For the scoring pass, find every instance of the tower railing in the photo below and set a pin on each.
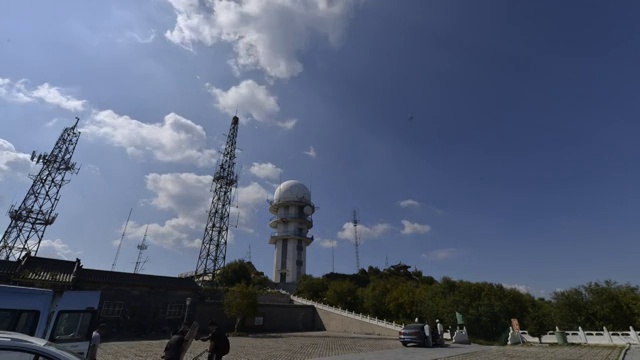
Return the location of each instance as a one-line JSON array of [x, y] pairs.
[[291, 233], [297, 217], [347, 313]]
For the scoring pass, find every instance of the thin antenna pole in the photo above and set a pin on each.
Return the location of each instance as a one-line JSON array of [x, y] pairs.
[[115, 260], [355, 237], [333, 258], [142, 247]]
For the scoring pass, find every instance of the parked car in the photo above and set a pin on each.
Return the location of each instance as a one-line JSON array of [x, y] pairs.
[[16, 346], [413, 334]]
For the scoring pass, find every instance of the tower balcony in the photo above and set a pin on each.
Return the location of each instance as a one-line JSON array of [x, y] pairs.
[[302, 219], [290, 234], [274, 205]]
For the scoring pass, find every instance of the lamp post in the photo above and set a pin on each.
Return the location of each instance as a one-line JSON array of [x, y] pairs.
[[186, 310]]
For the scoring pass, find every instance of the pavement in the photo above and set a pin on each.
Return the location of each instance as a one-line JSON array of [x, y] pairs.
[[339, 346], [633, 353]]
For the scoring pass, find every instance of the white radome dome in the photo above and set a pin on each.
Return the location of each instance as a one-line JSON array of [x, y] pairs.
[[292, 190]]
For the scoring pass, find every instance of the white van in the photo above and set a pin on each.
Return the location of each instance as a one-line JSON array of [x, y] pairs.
[[66, 320]]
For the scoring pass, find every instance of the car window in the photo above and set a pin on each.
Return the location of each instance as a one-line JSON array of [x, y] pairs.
[[62, 351], [21, 355], [72, 326], [21, 321]]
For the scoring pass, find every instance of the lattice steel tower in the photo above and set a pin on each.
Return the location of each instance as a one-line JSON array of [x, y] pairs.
[[37, 210], [356, 241], [213, 251]]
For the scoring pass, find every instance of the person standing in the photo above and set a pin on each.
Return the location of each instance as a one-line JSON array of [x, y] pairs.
[[96, 340], [427, 333], [440, 329], [218, 342], [173, 349]]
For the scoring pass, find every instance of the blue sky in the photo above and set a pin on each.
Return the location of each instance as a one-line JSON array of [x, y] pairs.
[[520, 160]]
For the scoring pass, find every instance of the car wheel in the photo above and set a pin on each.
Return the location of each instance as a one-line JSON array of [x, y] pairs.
[[404, 344]]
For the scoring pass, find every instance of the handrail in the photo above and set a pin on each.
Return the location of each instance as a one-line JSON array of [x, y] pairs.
[[351, 314], [285, 217], [292, 233]]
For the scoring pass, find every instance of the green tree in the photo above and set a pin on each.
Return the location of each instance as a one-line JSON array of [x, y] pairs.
[[240, 301], [343, 294], [311, 288], [236, 272]]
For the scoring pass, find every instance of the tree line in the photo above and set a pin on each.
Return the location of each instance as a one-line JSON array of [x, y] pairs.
[[400, 294]]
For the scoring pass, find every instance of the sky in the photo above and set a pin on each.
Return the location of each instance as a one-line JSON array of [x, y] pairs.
[[485, 141]]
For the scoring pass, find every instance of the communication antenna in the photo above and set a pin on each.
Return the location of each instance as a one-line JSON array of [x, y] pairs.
[[386, 261], [142, 247], [248, 256], [115, 260], [355, 223]]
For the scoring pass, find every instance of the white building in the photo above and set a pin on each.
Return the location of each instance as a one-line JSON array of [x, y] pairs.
[[292, 209]]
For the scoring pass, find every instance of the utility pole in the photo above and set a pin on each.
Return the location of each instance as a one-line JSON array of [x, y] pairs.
[[37, 210], [213, 251]]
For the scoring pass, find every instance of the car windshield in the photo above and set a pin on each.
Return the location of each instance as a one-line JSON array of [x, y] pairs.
[[60, 350]]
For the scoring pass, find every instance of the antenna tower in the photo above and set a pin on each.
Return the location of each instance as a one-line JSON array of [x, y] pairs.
[[142, 247], [37, 210], [333, 257], [213, 251], [355, 223], [386, 261], [124, 231]]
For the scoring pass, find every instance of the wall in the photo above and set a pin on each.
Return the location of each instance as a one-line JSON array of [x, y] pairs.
[[275, 318]]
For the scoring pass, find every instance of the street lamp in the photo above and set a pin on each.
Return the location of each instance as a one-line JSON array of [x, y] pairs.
[[186, 310]]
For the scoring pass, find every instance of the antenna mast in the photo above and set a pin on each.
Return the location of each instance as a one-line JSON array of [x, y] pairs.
[[115, 259], [355, 223], [213, 251], [386, 261], [37, 210], [142, 247], [333, 258]]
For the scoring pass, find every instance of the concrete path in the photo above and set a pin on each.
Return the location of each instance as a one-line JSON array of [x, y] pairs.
[[338, 346], [633, 353], [415, 353]]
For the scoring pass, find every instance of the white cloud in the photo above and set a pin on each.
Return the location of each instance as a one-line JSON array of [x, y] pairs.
[[414, 228], [409, 203], [311, 152], [176, 139], [52, 95], [266, 35], [522, 288], [17, 92], [252, 101], [364, 232], [57, 249], [326, 243], [441, 254], [139, 39], [13, 163], [287, 124], [187, 197], [266, 171]]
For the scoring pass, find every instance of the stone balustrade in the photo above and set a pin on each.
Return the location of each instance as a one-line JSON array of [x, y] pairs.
[[595, 337]]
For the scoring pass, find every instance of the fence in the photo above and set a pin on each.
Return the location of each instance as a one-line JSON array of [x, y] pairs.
[[597, 337]]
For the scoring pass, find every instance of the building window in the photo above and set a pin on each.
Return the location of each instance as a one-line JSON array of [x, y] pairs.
[[112, 309], [175, 311]]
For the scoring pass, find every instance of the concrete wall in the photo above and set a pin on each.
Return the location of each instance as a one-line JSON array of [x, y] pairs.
[[270, 318], [331, 321], [580, 336]]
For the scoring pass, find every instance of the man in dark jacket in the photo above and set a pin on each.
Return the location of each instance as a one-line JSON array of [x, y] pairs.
[[173, 349], [218, 342]]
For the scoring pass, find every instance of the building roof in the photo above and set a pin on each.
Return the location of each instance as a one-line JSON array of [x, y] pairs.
[[137, 280], [57, 272], [37, 269]]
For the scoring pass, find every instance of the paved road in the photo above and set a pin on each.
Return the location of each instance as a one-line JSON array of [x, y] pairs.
[[337, 346]]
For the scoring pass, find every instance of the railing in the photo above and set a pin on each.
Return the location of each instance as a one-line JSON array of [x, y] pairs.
[[292, 233], [347, 313], [296, 217], [599, 337]]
